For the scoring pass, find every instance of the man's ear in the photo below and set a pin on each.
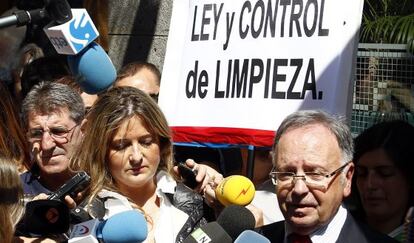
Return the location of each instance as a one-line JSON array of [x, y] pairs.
[[348, 178]]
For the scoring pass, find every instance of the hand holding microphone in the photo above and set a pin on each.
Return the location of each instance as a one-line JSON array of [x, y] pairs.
[[235, 189]]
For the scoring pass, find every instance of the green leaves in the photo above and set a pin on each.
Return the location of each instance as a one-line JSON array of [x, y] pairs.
[[388, 21]]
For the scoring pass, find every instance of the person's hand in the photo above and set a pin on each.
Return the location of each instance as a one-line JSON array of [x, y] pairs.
[[22, 239], [258, 215], [69, 201], [207, 177]]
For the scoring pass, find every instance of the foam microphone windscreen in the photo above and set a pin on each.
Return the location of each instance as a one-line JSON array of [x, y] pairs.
[[235, 189], [235, 219], [46, 217], [249, 236], [93, 69], [124, 227], [211, 232]]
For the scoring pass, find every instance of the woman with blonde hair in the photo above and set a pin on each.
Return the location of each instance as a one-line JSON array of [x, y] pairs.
[[127, 151], [11, 199], [12, 139]]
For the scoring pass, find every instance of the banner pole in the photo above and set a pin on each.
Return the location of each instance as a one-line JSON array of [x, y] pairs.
[[250, 161]]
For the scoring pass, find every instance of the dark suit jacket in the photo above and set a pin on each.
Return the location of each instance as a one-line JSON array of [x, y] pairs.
[[352, 232]]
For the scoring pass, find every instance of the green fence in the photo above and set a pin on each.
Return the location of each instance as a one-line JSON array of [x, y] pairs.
[[384, 85]]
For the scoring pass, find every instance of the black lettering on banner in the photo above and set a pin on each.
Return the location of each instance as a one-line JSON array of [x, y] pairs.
[[203, 83], [321, 31], [243, 76], [240, 79], [298, 64], [205, 21], [271, 20], [259, 5], [260, 18], [218, 93], [294, 17], [229, 27], [310, 84], [195, 83], [309, 32], [228, 78], [284, 4], [243, 33], [216, 18], [267, 77], [253, 77], [194, 37], [278, 78]]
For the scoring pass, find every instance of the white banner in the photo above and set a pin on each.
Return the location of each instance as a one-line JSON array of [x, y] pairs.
[[248, 64]]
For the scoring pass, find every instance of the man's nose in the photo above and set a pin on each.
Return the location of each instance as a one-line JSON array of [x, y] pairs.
[[47, 141], [299, 185]]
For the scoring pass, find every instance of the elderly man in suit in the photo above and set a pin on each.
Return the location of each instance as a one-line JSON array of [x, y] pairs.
[[312, 173]]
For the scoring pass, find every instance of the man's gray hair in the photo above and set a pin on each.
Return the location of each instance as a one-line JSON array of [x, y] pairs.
[[49, 97], [335, 124]]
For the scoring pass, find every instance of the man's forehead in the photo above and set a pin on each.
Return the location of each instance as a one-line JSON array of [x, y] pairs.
[[58, 113], [315, 140]]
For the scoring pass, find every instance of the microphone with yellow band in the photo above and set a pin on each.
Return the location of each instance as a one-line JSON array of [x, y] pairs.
[[235, 190]]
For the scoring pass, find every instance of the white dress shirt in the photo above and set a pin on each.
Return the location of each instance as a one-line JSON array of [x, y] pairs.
[[170, 219]]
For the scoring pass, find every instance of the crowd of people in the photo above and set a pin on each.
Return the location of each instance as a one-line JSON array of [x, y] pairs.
[[316, 184]]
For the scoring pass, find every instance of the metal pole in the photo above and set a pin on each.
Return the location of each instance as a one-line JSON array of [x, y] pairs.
[[250, 161]]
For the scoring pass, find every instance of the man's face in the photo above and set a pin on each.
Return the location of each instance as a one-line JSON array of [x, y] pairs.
[[312, 148], [144, 80], [52, 138]]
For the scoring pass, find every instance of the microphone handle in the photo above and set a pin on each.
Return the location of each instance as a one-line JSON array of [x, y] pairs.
[[21, 17]]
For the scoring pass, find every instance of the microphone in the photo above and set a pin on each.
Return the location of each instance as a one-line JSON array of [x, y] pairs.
[[44, 217], [125, 227], [88, 62], [235, 189], [58, 10], [211, 232], [93, 69], [249, 236], [22, 17], [235, 219]]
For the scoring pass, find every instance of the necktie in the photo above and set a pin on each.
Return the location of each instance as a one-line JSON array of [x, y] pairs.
[[297, 238]]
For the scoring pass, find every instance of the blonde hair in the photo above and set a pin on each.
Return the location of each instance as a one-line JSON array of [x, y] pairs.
[[12, 139], [11, 200], [108, 113]]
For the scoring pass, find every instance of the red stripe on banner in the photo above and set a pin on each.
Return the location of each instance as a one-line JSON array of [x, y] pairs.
[[223, 135]]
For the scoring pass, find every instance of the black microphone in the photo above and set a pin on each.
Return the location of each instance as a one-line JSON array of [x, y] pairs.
[[44, 217], [22, 17], [211, 232], [235, 219], [58, 10]]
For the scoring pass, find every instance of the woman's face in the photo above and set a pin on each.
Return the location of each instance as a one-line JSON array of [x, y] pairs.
[[383, 188], [134, 155]]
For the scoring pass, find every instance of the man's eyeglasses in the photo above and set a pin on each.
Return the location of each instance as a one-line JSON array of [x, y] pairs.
[[315, 180], [58, 134]]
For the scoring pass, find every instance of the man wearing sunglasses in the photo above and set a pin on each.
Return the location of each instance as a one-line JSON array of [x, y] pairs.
[[52, 114], [312, 159]]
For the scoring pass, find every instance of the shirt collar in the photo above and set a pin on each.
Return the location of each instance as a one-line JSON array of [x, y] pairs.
[[329, 232], [165, 183]]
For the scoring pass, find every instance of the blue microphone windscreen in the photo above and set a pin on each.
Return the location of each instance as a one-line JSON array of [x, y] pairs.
[[93, 69], [126, 227], [248, 236]]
